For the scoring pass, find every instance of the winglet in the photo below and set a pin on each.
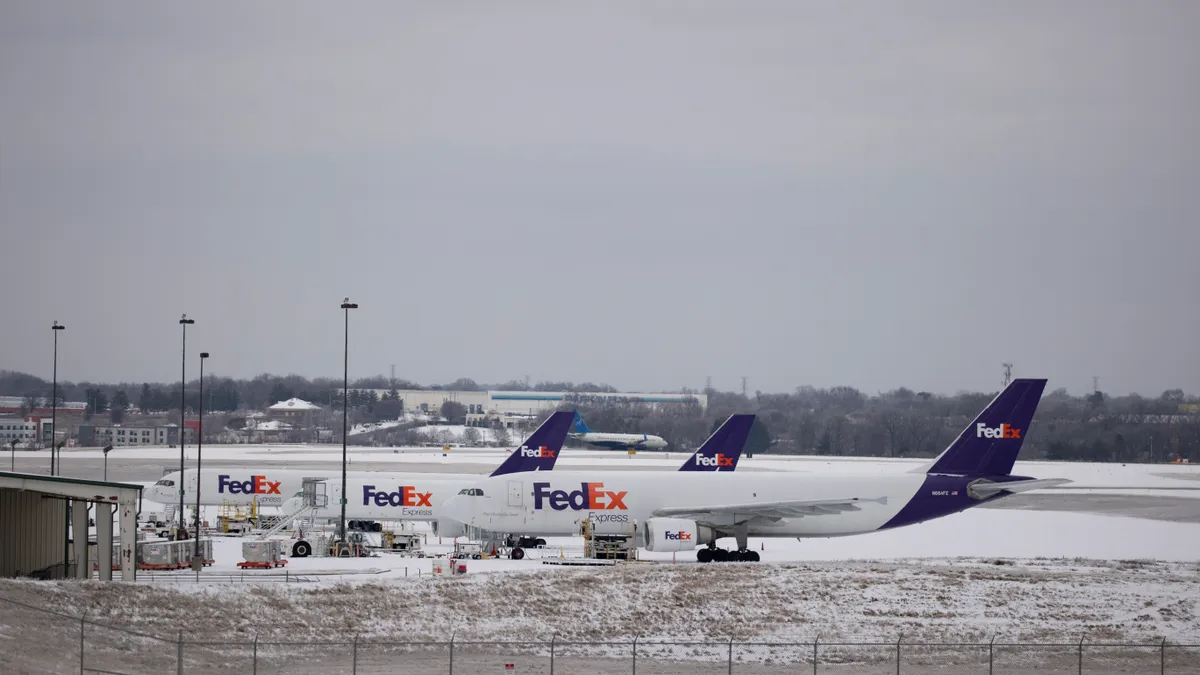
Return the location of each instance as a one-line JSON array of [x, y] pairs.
[[723, 448], [989, 445], [540, 450]]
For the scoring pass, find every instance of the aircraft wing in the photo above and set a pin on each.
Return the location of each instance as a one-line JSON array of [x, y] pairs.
[[766, 510]]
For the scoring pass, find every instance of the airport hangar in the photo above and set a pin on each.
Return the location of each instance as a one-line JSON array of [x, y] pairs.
[[34, 539], [510, 406]]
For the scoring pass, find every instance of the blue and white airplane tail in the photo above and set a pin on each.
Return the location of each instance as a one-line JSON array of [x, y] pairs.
[[723, 448], [989, 445], [540, 450], [580, 427]]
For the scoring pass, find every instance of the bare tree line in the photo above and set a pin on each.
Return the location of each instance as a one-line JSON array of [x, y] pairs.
[[809, 420]]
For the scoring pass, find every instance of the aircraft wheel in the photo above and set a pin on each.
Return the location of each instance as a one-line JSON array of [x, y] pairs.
[[750, 556], [540, 542], [517, 554], [720, 555], [301, 549], [704, 555]]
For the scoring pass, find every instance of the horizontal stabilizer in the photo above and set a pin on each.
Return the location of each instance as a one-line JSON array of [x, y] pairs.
[[1127, 487], [985, 489]]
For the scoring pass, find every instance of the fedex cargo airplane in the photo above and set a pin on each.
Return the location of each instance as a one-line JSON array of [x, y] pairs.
[[615, 441], [667, 511], [414, 496], [419, 496]]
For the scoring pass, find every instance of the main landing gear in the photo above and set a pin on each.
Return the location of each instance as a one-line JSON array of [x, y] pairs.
[[742, 554], [714, 554]]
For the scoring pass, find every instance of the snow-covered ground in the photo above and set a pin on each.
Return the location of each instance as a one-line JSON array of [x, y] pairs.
[[456, 434], [1185, 476], [938, 600]]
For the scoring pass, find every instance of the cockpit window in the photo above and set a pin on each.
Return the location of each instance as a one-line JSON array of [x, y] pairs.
[[166, 482], [471, 492]]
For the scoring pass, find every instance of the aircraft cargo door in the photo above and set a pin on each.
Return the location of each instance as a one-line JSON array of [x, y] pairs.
[[515, 487]]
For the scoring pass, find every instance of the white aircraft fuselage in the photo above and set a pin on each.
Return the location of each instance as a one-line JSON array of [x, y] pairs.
[[401, 495], [556, 504], [621, 441]]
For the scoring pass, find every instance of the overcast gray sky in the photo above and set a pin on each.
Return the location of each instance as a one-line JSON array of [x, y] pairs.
[[641, 193]]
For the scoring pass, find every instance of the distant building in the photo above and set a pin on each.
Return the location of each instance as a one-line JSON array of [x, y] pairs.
[[32, 431], [13, 405], [505, 404], [121, 436], [296, 412]]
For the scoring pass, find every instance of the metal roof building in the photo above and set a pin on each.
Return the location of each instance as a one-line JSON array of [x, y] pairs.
[[35, 539]]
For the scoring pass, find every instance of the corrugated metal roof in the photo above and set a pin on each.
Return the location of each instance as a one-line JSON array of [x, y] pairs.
[[71, 481]]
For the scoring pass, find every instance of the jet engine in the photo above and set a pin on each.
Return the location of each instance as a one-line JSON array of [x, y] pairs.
[[669, 535], [449, 529]]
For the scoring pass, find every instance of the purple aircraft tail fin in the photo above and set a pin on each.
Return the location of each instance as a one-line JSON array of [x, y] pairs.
[[540, 450], [989, 446], [721, 451]]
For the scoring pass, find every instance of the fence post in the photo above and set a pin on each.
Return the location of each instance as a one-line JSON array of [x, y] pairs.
[[730, 655], [898, 639], [452, 651], [1081, 655], [254, 663], [354, 661], [81, 629], [179, 655], [635, 639], [990, 654], [552, 639], [816, 640], [1162, 657]]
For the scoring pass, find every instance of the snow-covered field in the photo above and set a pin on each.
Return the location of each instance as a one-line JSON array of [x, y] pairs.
[[937, 600], [483, 459]]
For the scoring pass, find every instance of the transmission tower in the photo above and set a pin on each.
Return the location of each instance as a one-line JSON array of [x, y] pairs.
[[1007, 373]]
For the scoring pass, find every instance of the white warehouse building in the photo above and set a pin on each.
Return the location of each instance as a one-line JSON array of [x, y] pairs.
[[531, 402]]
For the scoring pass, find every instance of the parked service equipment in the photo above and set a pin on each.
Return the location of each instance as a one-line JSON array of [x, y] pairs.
[[158, 555], [262, 554]]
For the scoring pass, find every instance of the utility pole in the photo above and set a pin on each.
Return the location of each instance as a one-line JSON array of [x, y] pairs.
[[1095, 384], [708, 384], [346, 306], [743, 386], [392, 382], [1007, 373]]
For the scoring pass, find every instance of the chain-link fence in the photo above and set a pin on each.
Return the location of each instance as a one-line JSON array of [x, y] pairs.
[[34, 640]]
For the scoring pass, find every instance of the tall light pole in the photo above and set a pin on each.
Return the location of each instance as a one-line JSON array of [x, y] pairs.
[[54, 401], [347, 306], [199, 449], [107, 449], [185, 322]]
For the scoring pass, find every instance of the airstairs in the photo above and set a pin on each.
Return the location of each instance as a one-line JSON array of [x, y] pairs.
[[304, 504]]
